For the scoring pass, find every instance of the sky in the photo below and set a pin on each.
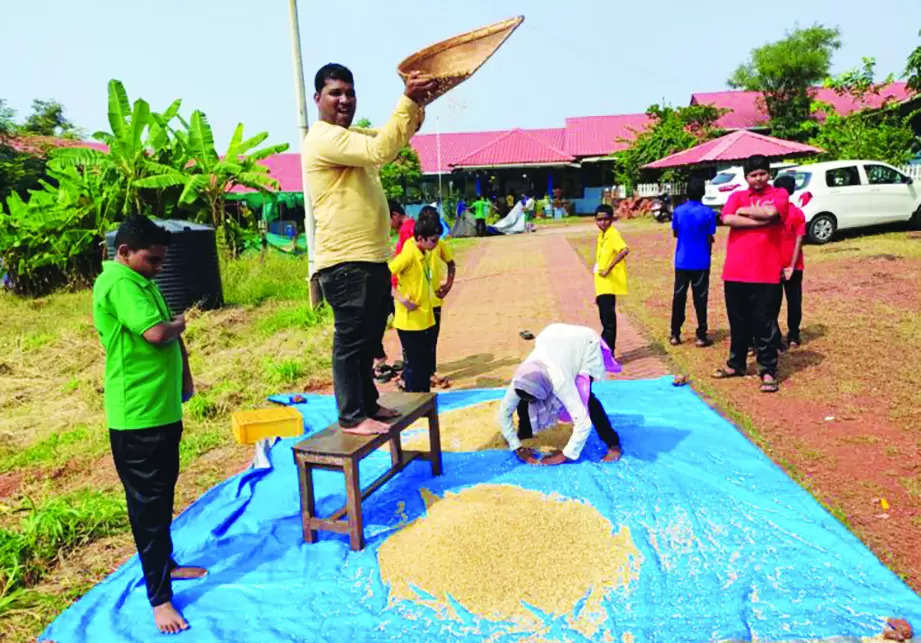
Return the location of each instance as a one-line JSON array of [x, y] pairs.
[[232, 58]]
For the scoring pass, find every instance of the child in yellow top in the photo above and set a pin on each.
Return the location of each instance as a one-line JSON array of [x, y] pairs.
[[413, 297], [610, 271], [441, 258]]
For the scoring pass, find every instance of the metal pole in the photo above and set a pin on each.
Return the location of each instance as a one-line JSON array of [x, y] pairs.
[[309, 226]]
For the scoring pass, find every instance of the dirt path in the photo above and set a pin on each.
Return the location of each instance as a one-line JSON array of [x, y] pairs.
[[508, 284]]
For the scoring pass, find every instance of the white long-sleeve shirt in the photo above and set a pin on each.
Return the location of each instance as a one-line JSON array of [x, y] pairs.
[[567, 351]]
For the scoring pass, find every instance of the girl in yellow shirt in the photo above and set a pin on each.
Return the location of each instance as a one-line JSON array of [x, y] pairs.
[[413, 298], [610, 271]]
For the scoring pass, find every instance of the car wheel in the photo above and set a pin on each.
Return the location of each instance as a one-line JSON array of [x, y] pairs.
[[915, 221], [822, 228]]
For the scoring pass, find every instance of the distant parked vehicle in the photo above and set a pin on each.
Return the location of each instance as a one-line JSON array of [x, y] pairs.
[[662, 208], [837, 195], [722, 185]]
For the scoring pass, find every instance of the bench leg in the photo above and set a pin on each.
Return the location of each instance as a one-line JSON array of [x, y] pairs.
[[308, 509], [353, 504], [396, 450], [434, 442]]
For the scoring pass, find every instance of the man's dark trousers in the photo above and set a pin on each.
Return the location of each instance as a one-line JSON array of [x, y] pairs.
[[358, 293], [147, 462], [699, 281], [752, 312]]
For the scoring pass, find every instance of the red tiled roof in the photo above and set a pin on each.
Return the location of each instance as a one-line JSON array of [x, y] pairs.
[[517, 147], [733, 147], [600, 135], [746, 113], [38, 144], [285, 168], [453, 146]]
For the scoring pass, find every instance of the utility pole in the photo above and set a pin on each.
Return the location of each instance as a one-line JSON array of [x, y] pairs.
[[309, 227]]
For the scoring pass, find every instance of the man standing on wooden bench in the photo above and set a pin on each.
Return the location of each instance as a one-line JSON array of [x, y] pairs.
[[342, 172]]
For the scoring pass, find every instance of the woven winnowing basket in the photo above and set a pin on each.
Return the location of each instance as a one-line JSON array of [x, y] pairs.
[[452, 61]]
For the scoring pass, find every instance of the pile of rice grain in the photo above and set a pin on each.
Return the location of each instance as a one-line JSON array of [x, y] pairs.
[[492, 547], [475, 428]]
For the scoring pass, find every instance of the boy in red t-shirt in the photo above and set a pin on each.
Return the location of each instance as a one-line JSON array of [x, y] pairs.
[[794, 230], [752, 271]]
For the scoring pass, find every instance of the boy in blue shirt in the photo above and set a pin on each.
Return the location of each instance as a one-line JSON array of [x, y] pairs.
[[694, 225]]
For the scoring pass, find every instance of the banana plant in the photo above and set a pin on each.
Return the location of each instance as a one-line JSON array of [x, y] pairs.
[[141, 153], [209, 176]]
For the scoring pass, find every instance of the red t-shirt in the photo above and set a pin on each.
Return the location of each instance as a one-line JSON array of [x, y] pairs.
[[406, 232], [753, 255], [794, 226]]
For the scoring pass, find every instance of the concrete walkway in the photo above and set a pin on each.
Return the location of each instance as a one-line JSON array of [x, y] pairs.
[[523, 282]]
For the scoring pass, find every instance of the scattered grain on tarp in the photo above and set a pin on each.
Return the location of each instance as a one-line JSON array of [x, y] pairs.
[[476, 428], [493, 548]]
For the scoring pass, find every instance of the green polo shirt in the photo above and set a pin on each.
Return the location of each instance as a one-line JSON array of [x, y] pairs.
[[143, 381]]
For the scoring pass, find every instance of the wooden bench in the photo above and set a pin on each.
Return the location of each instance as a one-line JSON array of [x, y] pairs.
[[334, 449]]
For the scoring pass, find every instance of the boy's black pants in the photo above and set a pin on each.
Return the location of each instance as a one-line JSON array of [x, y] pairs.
[[436, 330], [752, 312], [699, 281], [596, 413], [608, 317], [147, 461], [793, 289], [419, 348], [481, 227], [358, 292]]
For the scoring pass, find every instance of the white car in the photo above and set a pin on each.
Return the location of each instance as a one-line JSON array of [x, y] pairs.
[[837, 195], [722, 185]]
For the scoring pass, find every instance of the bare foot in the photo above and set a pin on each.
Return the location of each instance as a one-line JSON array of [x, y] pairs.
[[368, 426], [185, 573], [613, 455], [383, 413], [168, 620]]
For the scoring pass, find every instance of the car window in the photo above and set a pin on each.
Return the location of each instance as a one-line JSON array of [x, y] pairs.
[[801, 178], [880, 174], [842, 176], [722, 177]]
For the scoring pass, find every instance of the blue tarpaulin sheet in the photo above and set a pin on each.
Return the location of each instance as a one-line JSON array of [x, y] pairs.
[[732, 548]]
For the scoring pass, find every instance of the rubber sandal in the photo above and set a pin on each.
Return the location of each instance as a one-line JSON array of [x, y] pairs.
[[383, 372], [722, 374], [526, 334], [703, 342], [769, 387], [674, 340]]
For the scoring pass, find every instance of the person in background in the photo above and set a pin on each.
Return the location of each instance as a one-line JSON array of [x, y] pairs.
[[402, 224], [352, 231], [694, 226], [752, 271], [794, 230], [413, 297], [147, 379], [610, 271], [441, 261], [545, 383], [480, 214]]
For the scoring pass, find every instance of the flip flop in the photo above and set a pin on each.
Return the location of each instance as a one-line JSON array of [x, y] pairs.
[[769, 387], [722, 374], [703, 342], [674, 340], [526, 334]]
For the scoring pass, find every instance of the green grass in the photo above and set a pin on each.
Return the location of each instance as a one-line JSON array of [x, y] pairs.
[[299, 316], [60, 523], [56, 448], [251, 280]]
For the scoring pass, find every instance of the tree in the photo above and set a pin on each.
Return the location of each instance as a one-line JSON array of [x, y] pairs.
[[673, 130], [883, 134], [785, 72], [47, 119], [913, 69], [7, 126]]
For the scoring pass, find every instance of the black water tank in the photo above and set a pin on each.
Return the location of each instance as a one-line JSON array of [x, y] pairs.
[[191, 274]]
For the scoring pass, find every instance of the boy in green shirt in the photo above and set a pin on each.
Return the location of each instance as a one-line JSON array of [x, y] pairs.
[[146, 380]]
